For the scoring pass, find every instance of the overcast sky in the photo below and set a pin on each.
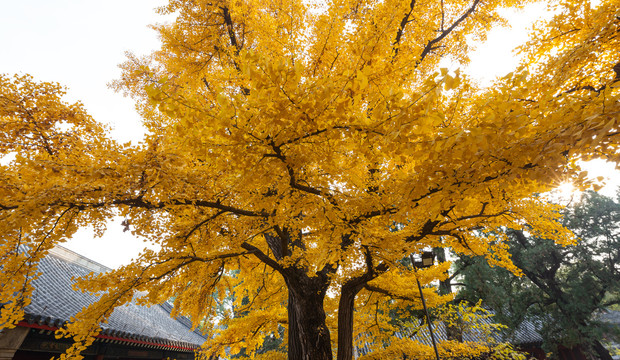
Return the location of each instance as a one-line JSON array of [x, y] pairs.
[[79, 43]]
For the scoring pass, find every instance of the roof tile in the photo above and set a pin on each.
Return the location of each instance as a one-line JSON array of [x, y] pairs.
[[55, 302]]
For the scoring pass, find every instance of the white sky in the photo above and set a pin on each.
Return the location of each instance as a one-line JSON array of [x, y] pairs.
[[79, 43]]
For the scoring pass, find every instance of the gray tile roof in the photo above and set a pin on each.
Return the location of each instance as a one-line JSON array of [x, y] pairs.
[[527, 333], [54, 302], [611, 317]]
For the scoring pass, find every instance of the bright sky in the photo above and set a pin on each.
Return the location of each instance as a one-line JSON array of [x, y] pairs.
[[79, 44]]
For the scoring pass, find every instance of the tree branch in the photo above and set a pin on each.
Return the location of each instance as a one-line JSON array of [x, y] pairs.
[[401, 29], [233, 41], [293, 179], [141, 203], [263, 257], [387, 293], [431, 44]]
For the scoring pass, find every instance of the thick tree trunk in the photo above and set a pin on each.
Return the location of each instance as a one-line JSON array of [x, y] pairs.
[[345, 323], [346, 306], [308, 336], [294, 346]]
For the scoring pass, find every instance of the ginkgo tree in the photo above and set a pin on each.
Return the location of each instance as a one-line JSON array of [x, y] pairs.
[[297, 151]]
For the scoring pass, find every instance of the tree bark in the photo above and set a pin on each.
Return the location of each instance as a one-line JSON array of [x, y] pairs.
[[346, 305], [294, 346], [445, 286], [602, 352], [345, 321], [308, 335]]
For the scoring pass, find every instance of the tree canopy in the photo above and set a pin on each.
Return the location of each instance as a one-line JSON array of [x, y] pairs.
[[298, 149], [565, 289]]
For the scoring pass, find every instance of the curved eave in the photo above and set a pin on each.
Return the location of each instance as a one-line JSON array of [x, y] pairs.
[[49, 325]]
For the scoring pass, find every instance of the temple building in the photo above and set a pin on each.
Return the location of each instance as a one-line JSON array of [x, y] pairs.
[[132, 332]]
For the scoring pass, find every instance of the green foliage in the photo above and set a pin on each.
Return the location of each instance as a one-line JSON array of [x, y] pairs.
[[562, 287]]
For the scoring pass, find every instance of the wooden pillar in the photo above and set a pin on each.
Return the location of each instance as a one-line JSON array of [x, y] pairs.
[[11, 340]]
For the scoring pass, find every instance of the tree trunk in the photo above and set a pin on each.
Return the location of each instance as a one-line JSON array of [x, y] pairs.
[[445, 286], [453, 331], [294, 346], [602, 352], [345, 322], [308, 336], [346, 306]]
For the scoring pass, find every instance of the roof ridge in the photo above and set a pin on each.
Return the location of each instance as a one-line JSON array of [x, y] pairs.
[[71, 256]]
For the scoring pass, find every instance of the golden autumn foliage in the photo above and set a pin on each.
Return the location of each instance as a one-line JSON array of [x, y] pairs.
[[471, 321], [447, 350], [298, 151]]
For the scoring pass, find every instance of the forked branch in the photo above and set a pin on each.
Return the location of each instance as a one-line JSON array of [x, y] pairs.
[[431, 45]]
